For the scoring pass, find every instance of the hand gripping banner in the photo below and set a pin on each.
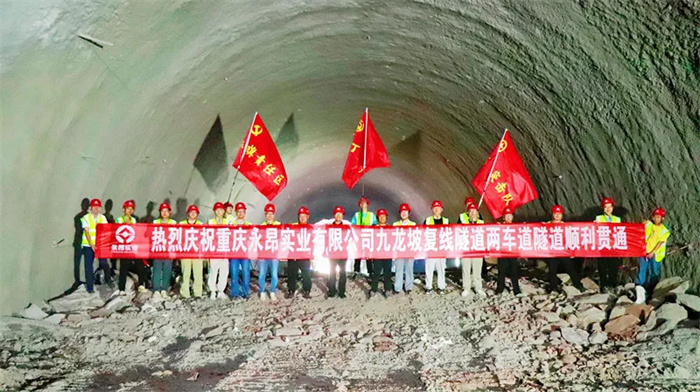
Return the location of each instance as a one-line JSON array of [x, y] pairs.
[[527, 240]]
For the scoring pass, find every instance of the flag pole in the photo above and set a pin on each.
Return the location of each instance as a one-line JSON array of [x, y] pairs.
[[498, 151], [245, 147], [364, 151]]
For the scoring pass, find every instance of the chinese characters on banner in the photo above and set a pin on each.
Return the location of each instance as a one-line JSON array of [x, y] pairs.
[[529, 240]]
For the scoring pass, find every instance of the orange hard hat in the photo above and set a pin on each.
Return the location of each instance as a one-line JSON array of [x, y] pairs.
[[404, 207], [659, 211], [270, 208], [218, 205], [557, 208], [192, 208], [339, 209], [164, 206], [95, 203], [363, 199], [472, 206], [129, 203], [468, 200], [240, 206], [436, 203], [507, 210], [607, 200], [382, 211], [303, 210]]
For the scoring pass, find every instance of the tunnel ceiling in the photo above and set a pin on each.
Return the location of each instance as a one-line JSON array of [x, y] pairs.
[[601, 98]]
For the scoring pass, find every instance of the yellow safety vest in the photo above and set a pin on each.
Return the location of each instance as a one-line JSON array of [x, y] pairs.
[[122, 219], [196, 222], [464, 219], [224, 221], [368, 218], [274, 223], [604, 219], [663, 236], [431, 220], [235, 223], [399, 223], [92, 227], [162, 222]]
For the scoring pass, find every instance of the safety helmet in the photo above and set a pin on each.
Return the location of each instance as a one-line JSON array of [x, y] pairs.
[[382, 211], [404, 207], [95, 203], [227, 205], [218, 205], [507, 210], [659, 211], [338, 209], [129, 203], [270, 208], [192, 208], [468, 200], [303, 210], [363, 199], [240, 206], [607, 200], [164, 206], [472, 206], [436, 203], [557, 208]]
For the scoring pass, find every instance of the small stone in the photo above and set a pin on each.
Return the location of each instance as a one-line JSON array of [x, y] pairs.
[[617, 311], [668, 286], [624, 300], [550, 317], [681, 373], [214, 332], [640, 311], [672, 312], [565, 278], [621, 324], [169, 305], [289, 331], [595, 299], [589, 284], [571, 291], [575, 336], [77, 317], [590, 316], [691, 302], [598, 338], [55, 318], [568, 359], [32, 312]]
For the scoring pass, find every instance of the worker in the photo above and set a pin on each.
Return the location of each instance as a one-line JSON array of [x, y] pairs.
[[268, 264], [567, 264], [162, 268], [218, 268], [78, 240], [608, 266], [337, 264], [471, 266], [650, 265], [240, 288], [89, 223], [192, 268], [364, 217], [508, 266], [433, 264], [125, 265], [403, 268], [229, 211], [381, 267], [295, 266]]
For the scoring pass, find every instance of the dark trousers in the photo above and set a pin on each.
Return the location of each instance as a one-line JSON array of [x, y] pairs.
[[126, 265], [569, 266], [293, 269], [381, 268], [89, 259], [508, 268], [331, 278], [358, 262], [607, 269], [77, 254]]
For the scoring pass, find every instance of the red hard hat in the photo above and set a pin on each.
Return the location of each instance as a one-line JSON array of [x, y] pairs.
[[129, 203], [472, 206], [557, 208], [303, 210], [95, 203], [227, 205], [436, 203], [659, 211], [507, 210], [468, 200], [404, 207], [366, 200], [382, 211], [338, 209], [192, 208], [164, 206], [607, 200], [240, 206], [218, 205], [270, 208]]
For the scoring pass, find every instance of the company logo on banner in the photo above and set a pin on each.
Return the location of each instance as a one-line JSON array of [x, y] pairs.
[[529, 240]]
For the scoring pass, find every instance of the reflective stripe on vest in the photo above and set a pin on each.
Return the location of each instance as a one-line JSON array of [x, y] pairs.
[[399, 223], [431, 220], [368, 218], [649, 229], [92, 227], [604, 219]]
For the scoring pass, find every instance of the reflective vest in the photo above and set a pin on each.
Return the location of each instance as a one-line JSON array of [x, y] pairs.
[[399, 223], [464, 219], [122, 219], [92, 227], [369, 218], [431, 221], [186, 222], [232, 221], [274, 223], [663, 236], [162, 222], [224, 221], [604, 219]]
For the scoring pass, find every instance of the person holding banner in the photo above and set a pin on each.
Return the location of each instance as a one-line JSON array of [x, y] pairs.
[[364, 217], [403, 274], [650, 265], [239, 267], [271, 264], [162, 268], [192, 267], [471, 267], [89, 223], [507, 267], [126, 264], [608, 266], [381, 267], [295, 266], [218, 268], [554, 263], [432, 264], [339, 264]]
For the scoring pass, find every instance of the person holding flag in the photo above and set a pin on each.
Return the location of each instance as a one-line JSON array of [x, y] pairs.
[[364, 217], [471, 267], [433, 264], [192, 268], [554, 263], [608, 266], [239, 267], [303, 266], [403, 268], [271, 264], [218, 268], [162, 268]]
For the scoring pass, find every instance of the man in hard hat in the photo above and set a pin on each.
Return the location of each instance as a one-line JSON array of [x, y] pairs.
[[218, 268], [364, 217], [403, 268], [192, 268], [229, 211], [433, 264], [162, 268], [125, 265], [650, 265], [471, 266], [268, 264], [339, 264], [608, 266], [295, 266], [567, 264], [77, 240], [381, 267], [89, 223], [508, 267], [240, 288]]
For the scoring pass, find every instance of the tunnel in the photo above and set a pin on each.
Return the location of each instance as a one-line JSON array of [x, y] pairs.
[[150, 101]]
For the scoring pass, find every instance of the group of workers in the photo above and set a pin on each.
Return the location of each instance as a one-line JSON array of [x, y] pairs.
[[238, 271]]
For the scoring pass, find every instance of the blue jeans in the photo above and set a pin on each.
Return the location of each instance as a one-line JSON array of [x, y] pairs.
[[649, 273], [403, 268], [263, 265], [160, 274], [89, 256], [238, 289]]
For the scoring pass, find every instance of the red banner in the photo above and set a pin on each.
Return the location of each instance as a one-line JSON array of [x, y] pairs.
[[527, 240], [367, 152]]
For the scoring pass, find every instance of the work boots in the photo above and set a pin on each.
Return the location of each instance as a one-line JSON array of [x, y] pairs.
[[641, 295]]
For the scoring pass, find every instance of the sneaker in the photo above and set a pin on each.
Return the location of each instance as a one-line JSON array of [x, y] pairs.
[[122, 293], [429, 292], [164, 294], [263, 297], [273, 297], [466, 293], [408, 292], [220, 295], [440, 291], [520, 295], [156, 295], [212, 295], [142, 289], [306, 295], [641, 295], [481, 293]]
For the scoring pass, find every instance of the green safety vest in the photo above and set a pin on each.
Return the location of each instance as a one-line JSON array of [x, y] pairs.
[[399, 223], [604, 219], [224, 221], [92, 227], [235, 223], [431, 220], [162, 222], [368, 218], [464, 219], [122, 219], [274, 223], [663, 236]]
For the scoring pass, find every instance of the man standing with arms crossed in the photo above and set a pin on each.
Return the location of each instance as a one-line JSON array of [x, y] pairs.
[[381, 267], [568, 264], [435, 264]]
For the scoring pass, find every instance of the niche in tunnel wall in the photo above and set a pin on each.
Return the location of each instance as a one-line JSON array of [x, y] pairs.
[[211, 160]]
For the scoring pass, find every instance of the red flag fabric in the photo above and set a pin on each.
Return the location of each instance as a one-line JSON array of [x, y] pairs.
[[260, 162], [509, 183], [367, 152]]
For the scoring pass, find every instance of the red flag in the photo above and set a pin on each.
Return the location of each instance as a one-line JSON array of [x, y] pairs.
[[367, 152], [261, 163], [503, 180]]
